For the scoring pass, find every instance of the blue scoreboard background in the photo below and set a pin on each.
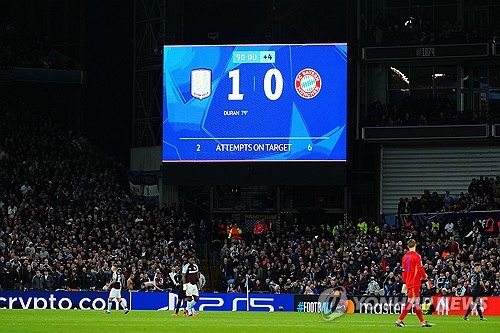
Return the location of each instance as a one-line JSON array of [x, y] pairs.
[[255, 103]]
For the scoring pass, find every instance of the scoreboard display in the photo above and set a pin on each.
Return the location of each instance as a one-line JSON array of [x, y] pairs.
[[254, 103]]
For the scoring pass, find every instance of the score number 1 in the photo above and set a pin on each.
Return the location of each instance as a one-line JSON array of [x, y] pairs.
[[235, 95]]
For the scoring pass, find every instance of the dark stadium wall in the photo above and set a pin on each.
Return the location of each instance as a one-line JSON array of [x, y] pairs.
[[362, 159], [108, 89]]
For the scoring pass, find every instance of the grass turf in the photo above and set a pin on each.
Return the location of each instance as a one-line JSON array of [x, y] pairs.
[[55, 321]]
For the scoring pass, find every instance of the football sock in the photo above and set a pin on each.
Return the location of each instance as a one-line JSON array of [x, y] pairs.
[[190, 306], [418, 311], [193, 302], [469, 309], [479, 311], [109, 306], [406, 309], [123, 304], [179, 302]]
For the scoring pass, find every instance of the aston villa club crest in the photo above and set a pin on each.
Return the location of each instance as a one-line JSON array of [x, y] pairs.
[[201, 83]]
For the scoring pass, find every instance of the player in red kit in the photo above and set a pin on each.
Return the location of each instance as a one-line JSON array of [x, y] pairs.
[[413, 273]]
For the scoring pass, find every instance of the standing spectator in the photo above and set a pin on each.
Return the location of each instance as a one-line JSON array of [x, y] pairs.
[[48, 280], [11, 211], [74, 280], [44, 254], [28, 276], [449, 227], [216, 248], [88, 279], [37, 281], [25, 188], [235, 232], [16, 276], [130, 282], [202, 240], [454, 246], [222, 229]]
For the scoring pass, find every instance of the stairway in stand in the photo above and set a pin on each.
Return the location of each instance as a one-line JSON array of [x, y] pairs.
[[205, 270]]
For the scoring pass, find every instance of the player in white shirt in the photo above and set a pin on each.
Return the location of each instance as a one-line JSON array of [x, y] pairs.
[[191, 284], [116, 290]]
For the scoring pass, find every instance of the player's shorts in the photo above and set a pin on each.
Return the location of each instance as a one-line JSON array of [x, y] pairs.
[[476, 293], [192, 290], [413, 292], [115, 293], [476, 298]]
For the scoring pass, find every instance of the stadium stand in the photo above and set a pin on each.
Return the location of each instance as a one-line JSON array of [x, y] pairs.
[[65, 220], [483, 194], [22, 46], [364, 261], [64, 214], [420, 30], [422, 111]]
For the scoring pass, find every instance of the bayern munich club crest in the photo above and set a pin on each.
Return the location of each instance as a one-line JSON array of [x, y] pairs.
[[308, 83]]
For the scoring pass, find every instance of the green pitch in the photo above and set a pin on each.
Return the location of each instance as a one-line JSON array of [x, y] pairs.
[[55, 321]]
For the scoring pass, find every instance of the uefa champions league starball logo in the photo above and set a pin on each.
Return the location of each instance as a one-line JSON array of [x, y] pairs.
[[308, 83], [333, 302]]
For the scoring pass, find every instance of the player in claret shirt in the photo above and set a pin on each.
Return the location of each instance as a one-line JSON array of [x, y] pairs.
[[413, 273], [191, 284]]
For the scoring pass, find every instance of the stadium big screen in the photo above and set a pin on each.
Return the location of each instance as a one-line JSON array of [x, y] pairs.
[[255, 103]]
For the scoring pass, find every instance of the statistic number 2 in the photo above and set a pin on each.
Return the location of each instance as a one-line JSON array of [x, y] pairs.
[[235, 94]]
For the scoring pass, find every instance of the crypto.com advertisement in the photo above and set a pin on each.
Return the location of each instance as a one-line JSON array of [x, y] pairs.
[[142, 301]]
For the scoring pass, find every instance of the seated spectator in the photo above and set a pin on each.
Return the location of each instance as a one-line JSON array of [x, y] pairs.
[[373, 287]]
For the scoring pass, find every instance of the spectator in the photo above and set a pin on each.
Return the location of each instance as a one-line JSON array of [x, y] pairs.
[[48, 280], [373, 287], [235, 232], [37, 281], [130, 282], [74, 280]]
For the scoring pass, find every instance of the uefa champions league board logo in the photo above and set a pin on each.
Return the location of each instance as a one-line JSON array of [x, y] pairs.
[[334, 303], [308, 83]]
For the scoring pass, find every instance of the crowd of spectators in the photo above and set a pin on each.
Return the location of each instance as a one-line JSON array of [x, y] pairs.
[[64, 220], [422, 111], [21, 46], [418, 30], [482, 194], [364, 259]]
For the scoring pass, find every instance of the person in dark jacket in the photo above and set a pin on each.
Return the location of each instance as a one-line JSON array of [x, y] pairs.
[[48, 280], [37, 281]]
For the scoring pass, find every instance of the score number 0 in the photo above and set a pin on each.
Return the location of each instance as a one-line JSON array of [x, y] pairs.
[[235, 95]]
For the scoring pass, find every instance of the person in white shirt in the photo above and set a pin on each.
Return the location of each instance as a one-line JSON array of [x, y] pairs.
[[25, 188], [449, 227]]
